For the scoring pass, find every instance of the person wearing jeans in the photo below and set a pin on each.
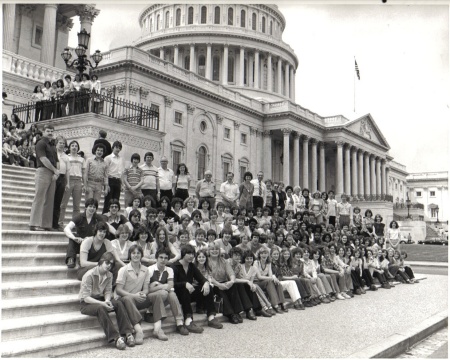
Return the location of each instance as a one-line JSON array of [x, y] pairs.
[[96, 175]]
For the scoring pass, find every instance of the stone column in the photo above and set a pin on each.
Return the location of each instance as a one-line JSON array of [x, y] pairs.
[[373, 179], [286, 157], [305, 172], [361, 174], [347, 184], [292, 97], [367, 192], [208, 61], [322, 185], [87, 14], [313, 165], [279, 77], [225, 65], [286, 79], [241, 66], [161, 53], [250, 70], [383, 179], [269, 72], [388, 190], [339, 170], [175, 55], [378, 169], [9, 17], [267, 154], [296, 178], [256, 78], [49, 34], [354, 173], [191, 58], [237, 141]]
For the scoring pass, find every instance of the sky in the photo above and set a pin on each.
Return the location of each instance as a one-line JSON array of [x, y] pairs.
[[402, 52]]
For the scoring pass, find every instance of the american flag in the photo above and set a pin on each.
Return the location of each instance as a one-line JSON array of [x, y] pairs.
[[357, 70]]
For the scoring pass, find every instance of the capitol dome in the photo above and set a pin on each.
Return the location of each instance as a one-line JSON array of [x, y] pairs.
[[238, 46]]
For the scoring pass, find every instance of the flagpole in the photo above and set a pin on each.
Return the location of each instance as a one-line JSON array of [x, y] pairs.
[[354, 87]]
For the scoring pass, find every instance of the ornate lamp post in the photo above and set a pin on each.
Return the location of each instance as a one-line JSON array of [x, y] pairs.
[[81, 63], [408, 205], [437, 214]]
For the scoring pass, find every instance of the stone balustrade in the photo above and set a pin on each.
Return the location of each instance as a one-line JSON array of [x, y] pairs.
[[31, 69]]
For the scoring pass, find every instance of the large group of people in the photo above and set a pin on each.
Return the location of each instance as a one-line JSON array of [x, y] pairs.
[[249, 253]]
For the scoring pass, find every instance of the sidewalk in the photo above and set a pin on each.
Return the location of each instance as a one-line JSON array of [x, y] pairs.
[[427, 263]]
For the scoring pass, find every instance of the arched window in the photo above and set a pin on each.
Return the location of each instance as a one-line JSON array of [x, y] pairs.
[[245, 71], [166, 25], [216, 68], [157, 22], [271, 27], [230, 69], [178, 18], [201, 162], [230, 16], [203, 15], [217, 15], [187, 62], [253, 21], [243, 18], [190, 15], [264, 24], [201, 65]]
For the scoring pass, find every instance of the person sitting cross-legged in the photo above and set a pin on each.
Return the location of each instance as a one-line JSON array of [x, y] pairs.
[[185, 272], [95, 300], [162, 285]]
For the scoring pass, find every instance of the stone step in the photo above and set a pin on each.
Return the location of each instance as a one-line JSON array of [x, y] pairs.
[[33, 246], [23, 289], [60, 344], [10, 199], [18, 189], [39, 305], [26, 182], [13, 177], [8, 169], [34, 236], [21, 225], [30, 259], [36, 326], [31, 273], [21, 216]]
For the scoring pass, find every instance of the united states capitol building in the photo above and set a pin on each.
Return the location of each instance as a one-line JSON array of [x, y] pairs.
[[220, 83]]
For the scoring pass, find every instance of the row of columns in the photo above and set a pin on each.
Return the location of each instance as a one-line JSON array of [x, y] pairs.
[[358, 172], [253, 55]]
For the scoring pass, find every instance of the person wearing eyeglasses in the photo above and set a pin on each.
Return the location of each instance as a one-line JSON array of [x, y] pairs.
[[115, 219], [95, 300]]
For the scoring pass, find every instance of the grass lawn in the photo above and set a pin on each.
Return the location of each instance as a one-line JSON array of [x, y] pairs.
[[435, 253]]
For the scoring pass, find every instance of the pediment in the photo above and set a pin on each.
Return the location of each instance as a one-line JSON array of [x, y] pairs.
[[365, 126]]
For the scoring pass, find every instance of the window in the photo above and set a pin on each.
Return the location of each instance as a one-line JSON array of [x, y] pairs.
[[178, 118], [37, 38], [157, 22], [201, 65], [216, 68], [253, 21], [203, 126], [230, 69], [187, 62], [203, 15], [178, 18], [396, 186], [242, 170], [243, 167], [166, 25], [433, 193], [244, 139], [230, 16], [217, 15], [190, 15], [226, 170], [434, 213], [227, 133], [243, 18], [176, 159], [264, 24], [418, 193], [201, 162]]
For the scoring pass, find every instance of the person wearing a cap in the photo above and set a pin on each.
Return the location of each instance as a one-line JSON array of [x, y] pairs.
[[96, 174], [165, 178], [206, 190]]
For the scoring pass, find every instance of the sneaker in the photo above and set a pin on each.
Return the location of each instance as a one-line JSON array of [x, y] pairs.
[[161, 336], [120, 344], [340, 297], [194, 328], [139, 338], [363, 291], [214, 323], [345, 295], [183, 330], [71, 263], [349, 293], [130, 341]]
